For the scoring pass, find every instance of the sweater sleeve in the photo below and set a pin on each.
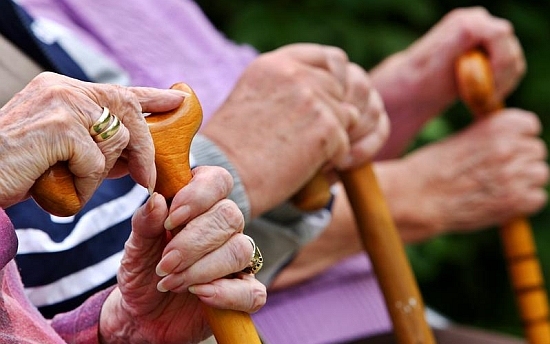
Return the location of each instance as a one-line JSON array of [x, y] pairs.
[[82, 324]]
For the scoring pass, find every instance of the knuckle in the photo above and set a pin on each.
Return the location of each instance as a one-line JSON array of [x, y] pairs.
[[259, 297], [231, 215], [337, 54], [241, 251]]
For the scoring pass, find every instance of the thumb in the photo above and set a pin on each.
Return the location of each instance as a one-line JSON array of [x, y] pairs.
[[148, 225]]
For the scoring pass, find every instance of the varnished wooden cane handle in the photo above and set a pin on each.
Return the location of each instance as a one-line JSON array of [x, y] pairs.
[[476, 87]]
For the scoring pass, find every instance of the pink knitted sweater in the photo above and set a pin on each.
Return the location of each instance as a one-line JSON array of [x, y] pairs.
[[20, 322]]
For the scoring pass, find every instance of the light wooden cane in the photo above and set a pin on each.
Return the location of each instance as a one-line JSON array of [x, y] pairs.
[[387, 253], [476, 86], [382, 242], [172, 133]]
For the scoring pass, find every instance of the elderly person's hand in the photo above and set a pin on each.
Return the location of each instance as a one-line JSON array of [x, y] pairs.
[[298, 107], [490, 172], [419, 82], [163, 279], [59, 113]]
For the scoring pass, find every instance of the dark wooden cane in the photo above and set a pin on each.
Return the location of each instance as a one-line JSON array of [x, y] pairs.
[[476, 86]]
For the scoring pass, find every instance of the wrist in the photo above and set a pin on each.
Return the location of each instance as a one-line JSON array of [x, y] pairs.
[[114, 327], [407, 197]]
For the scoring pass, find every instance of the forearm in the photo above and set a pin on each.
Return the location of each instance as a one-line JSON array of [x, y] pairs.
[[341, 240], [403, 82]]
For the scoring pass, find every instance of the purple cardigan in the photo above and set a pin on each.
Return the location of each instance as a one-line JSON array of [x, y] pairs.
[[20, 321]]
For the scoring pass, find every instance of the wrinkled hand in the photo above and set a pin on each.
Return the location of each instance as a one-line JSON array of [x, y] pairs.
[[49, 121], [494, 170], [191, 265], [419, 82], [297, 108]]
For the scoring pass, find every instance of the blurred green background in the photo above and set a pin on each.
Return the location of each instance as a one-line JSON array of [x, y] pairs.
[[462, 276]]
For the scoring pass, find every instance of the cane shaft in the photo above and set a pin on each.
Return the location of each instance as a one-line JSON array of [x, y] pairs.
[[476, 87], [387, 253], [172, 134]]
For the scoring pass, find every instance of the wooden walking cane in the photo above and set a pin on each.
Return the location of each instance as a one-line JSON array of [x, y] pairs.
[[384, 246], [172, 133], [389, 260], [476, 87]]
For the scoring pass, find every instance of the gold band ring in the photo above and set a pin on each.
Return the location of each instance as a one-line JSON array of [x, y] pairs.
[[257, 261], [105, 127]]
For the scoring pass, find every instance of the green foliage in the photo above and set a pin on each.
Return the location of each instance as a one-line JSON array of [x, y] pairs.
[[464, 276]]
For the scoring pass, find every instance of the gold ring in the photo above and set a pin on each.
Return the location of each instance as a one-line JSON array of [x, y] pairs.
[[101, 123], [257, 261], [105, 127]]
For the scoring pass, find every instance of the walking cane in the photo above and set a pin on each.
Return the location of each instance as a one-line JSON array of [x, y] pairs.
[[384, 246], [172, 133], [476, 87]]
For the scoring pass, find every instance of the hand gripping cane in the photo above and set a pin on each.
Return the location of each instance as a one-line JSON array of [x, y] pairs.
[[476, 87], [172, 133]]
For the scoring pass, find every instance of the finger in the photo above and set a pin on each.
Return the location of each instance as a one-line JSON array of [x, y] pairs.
[[124, 104], [365, 149], [368, 135], [202, 235], [515, 120], [233, 256], [369, 120], [89, 161], [110, 147], [330, 58], [537, 175], [147, 221], [144, 246], [87, 165], [506, 57], [208, 185], [158, 100], [243, 293], [147, 240], [358, 87]]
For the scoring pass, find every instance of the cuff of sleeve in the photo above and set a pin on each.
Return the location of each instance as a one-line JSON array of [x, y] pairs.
[[82, 324], [205, 152]]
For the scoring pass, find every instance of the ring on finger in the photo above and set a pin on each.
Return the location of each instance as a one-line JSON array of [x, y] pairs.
[[256, 261], [105, 127]]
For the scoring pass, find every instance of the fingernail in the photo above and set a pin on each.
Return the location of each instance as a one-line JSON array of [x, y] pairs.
[[168, 263], [152, 181], [150, 205], [160, 287], [177, 217], [207, 290], [179, 93]]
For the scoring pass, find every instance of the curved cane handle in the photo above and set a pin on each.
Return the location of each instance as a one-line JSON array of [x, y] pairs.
[[476, 87], [55, 192]]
